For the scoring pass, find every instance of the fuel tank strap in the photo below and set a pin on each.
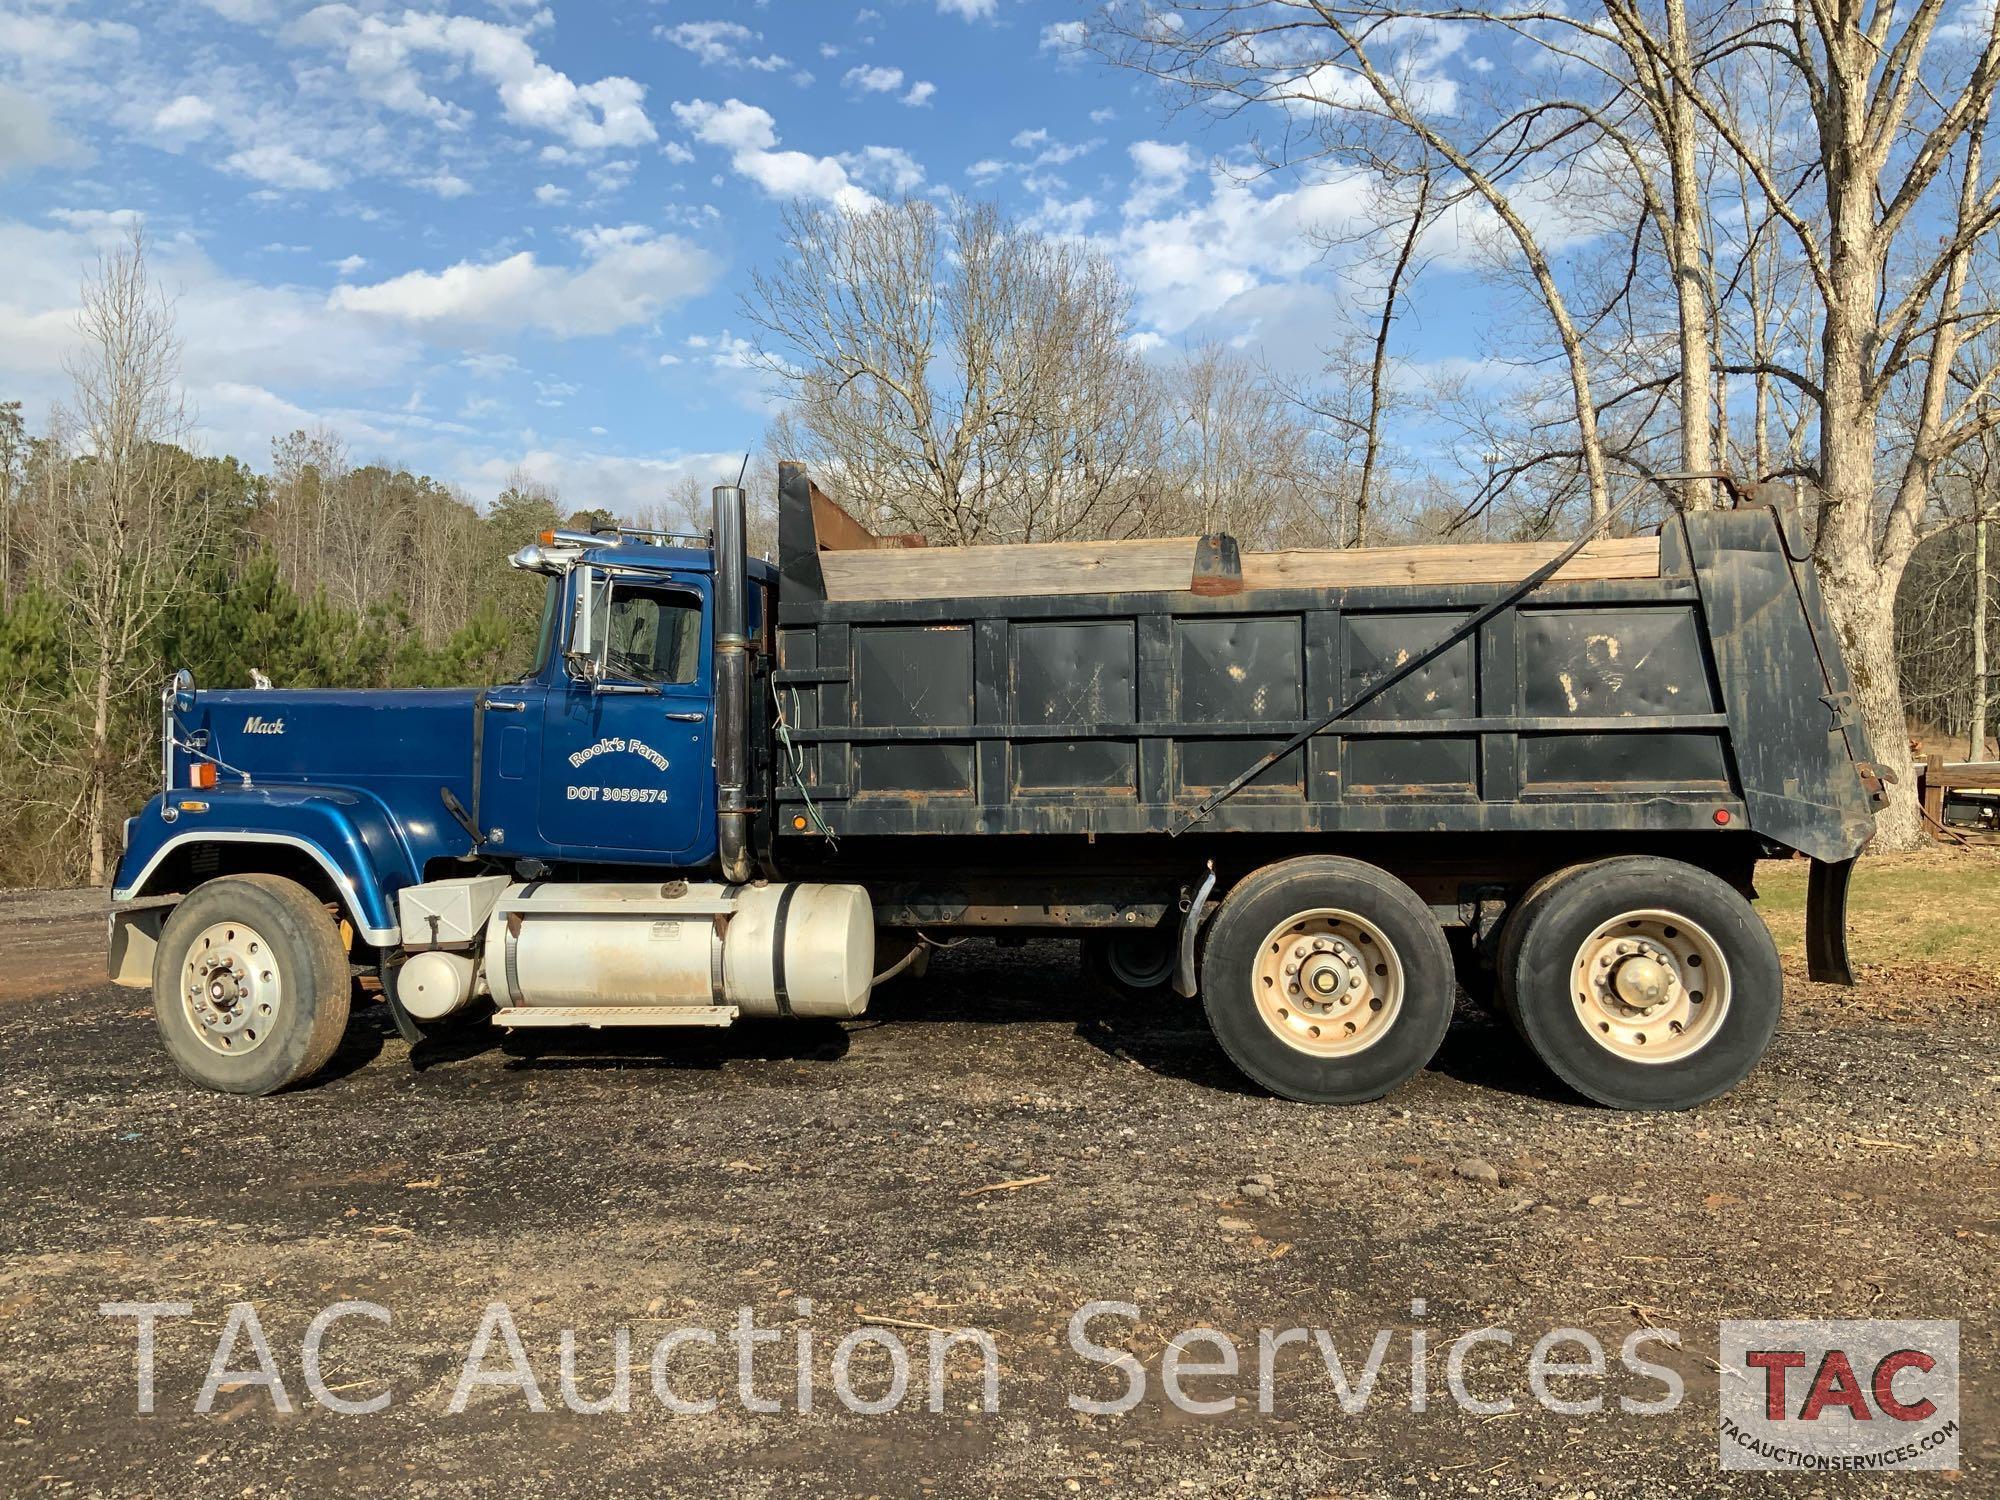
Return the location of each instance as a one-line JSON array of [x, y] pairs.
[[778, 921]]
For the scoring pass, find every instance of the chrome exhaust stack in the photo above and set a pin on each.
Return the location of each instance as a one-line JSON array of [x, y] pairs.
[[732, 686]]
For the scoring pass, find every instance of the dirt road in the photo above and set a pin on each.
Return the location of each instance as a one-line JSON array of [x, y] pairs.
[[662, 1182]]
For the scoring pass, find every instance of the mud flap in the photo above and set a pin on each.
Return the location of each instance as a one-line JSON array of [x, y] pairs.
[[405, 1023], [1826, 921]]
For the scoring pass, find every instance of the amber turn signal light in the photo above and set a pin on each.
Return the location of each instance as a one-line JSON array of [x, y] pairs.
[[201, 775]]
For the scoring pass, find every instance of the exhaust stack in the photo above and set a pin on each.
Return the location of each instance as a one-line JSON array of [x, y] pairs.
[[732, 687]]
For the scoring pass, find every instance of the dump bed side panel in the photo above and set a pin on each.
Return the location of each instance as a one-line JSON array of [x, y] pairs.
[[1607, 705], [1593, 707]]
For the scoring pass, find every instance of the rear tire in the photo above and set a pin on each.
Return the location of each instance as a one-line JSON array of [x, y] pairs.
[[1643, 983], [251, 987], [1327, 980]]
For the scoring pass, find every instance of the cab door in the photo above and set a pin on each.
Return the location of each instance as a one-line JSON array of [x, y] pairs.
[[627, 754]]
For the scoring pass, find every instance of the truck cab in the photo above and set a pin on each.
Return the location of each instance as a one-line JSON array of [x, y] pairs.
[[605, 752], [505, 843]]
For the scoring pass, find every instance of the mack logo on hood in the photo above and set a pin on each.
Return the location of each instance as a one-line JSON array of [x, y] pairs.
[[256, 724]]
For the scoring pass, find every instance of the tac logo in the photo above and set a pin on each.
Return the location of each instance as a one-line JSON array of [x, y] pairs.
[[1850, 1394], [256, 724]]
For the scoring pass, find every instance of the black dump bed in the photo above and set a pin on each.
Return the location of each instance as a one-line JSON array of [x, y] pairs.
[[1682, 684]]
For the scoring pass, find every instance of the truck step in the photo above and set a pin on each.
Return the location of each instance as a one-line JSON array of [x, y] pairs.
[[616, 1015]]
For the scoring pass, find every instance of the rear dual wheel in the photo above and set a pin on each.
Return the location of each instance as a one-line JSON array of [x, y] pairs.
[[1642, 983], [1327, 980]]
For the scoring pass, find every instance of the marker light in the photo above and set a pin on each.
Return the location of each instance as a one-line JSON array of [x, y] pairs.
[[201, 775], [1722, 817]]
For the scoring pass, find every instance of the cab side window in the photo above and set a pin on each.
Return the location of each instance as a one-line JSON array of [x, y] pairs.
[[653, 635]]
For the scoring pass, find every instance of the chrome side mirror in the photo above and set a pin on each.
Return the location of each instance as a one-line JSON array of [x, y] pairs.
[[588, 624]]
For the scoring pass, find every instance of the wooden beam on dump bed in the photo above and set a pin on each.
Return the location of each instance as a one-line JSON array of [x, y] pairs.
[[1047, 569], [1032, 570]]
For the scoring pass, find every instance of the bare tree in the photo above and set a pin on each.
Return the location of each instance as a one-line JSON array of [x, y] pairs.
[[124, 521], [1236, 454], [1879, 189], [961, 374]]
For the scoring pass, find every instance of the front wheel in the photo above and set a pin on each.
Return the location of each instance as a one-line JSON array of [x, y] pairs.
[[250, 984], [1643, 983], [1327, 980]]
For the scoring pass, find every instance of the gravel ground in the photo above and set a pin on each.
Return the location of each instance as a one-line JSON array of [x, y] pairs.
[[660, 1181]]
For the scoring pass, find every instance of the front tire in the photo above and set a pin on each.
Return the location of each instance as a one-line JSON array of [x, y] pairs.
[[250, 985], [1327, 980], [1643, 983]]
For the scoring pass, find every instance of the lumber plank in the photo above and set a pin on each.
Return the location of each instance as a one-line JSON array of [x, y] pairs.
[[1056, 568], [1484, 562], [1040, 569]]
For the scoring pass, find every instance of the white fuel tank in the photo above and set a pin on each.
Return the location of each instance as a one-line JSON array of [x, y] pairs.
[[769, 950]]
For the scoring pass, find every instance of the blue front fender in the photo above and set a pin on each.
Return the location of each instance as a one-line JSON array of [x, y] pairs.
[[350, 835]]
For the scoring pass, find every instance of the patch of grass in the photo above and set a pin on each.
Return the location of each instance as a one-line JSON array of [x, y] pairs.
[[1933, 907]]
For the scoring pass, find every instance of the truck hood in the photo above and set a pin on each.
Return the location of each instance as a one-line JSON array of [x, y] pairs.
[[345, 737]]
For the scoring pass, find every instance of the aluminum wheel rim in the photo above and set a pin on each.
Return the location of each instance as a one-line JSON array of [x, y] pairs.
[[231, 988], [1328, 982], [1650, 986]]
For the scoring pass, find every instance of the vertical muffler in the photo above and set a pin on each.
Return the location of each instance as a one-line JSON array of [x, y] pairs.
[[732, 687]]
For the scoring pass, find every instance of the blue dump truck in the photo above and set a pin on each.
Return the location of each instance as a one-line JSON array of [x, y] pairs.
[[1311, 790]]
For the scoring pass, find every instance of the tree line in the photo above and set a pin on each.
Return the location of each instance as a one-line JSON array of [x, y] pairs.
[[124, 554], [1754, 241]]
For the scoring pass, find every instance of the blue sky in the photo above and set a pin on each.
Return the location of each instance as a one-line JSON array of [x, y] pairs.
[[471, 235]]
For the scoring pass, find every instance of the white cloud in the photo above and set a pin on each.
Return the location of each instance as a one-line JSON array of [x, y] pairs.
[[1050, 152], [245, 12], [1219, 263], [750, 135], [870, 79], [235, 333], [348, 265], [623, 483], [971, 10], [445, 184], [380, 54], [676, 153], [48, 36], [282, 167], [1164, 169], [919, 94], [103, 225], [189, 114], [1103, 116], [985, 169], [733, 125], [29, 137], [548, 192], [1065, 38], [627, 277], [721, 44], [888, 169]]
